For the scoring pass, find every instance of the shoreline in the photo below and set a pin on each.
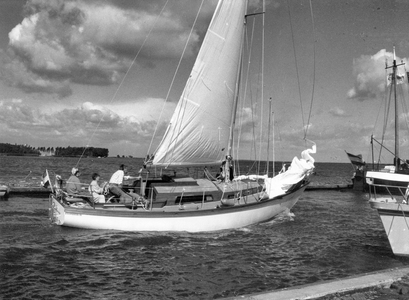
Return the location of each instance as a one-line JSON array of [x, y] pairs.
[[379, 285]]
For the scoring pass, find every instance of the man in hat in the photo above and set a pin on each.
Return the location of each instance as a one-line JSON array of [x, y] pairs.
[[73, 183]]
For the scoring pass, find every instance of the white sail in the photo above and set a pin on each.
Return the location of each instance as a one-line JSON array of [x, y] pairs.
[[199, 129]]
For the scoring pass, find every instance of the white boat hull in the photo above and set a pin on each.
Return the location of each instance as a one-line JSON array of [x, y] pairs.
[[391, 207], [184, 220], [4, 191], [395, 220]]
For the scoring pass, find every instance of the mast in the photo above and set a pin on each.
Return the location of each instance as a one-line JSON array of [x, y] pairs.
[[396, 112], [394, 83], [236, 100], [229, 158], [229, 161]]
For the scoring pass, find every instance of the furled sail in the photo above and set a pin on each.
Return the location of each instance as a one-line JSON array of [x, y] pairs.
[[199, 129]]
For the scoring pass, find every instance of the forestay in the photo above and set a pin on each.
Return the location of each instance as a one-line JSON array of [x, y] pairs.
[[199, 129]]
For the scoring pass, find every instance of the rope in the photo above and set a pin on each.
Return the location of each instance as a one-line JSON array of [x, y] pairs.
[[262, 85], [254, 146], [305, 125], [123, 78], [296, 63], [249, 47], [380, 106], [401, 91], [174, 76], [209, 176], [314, 71]]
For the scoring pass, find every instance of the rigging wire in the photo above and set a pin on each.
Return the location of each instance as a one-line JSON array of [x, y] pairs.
[[383, 101], [385, 121], [314, 72], [379, 113], [305, 125], [249, 44], [174, 75], [124, 77], [253, 106], [296, 63], [404, 104], [262, 82]]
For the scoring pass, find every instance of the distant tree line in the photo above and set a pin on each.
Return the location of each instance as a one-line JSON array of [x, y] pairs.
[[18, 149], [78, 151], [58, 151]]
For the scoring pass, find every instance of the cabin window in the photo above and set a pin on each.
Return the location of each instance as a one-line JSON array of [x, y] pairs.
[[193, 198], [235, 195]]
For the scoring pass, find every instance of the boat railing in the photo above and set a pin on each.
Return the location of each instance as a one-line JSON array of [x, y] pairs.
[[394, 191]]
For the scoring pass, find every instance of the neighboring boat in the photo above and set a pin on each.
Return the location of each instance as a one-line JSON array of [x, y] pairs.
[[358, 178], [392, 209], [388, 187], [4, 191], [200, 133]]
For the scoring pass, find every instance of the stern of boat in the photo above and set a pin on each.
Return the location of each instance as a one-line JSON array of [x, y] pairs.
[[56, 211]]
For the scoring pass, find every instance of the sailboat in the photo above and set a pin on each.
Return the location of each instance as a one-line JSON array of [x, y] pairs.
[[389, 186], [200, 133]]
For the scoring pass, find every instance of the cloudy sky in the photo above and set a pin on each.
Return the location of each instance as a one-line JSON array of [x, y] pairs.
[[65, 76]]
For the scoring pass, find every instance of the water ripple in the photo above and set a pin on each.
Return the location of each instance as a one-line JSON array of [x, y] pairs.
[[330, 235]]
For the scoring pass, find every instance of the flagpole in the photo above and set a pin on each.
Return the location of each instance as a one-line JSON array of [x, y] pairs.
[[51, 184]]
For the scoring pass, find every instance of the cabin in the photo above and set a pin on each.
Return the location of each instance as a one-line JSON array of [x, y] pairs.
[[168, 191]]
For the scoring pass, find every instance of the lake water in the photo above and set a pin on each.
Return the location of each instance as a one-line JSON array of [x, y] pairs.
[[332, 234]]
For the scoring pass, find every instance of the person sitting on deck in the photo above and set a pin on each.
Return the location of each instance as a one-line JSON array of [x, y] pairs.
[[95, 190], [115, 185], [73, 183]]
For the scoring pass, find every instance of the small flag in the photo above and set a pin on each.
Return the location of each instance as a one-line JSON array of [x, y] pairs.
[[356, 159], [46, 180]]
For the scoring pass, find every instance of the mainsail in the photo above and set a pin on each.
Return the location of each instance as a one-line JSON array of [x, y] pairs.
[[199, 129]]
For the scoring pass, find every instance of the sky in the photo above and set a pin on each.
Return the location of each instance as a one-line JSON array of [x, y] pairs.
[[100, 73]]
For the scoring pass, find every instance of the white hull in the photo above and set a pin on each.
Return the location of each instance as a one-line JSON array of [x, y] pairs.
[[392, 207], [184, 220], [395, 220]]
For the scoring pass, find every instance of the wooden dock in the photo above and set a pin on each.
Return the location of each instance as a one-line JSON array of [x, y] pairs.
[[329, 186]]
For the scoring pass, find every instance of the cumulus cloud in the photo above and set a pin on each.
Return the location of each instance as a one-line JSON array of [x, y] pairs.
[[87, 124], [369, 75], [93, 42], [146, 109]]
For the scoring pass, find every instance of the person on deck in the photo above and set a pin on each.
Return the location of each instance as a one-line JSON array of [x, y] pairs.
[[221, 176], [115, 185], [226, 170], [73, 183], [95, 190]]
